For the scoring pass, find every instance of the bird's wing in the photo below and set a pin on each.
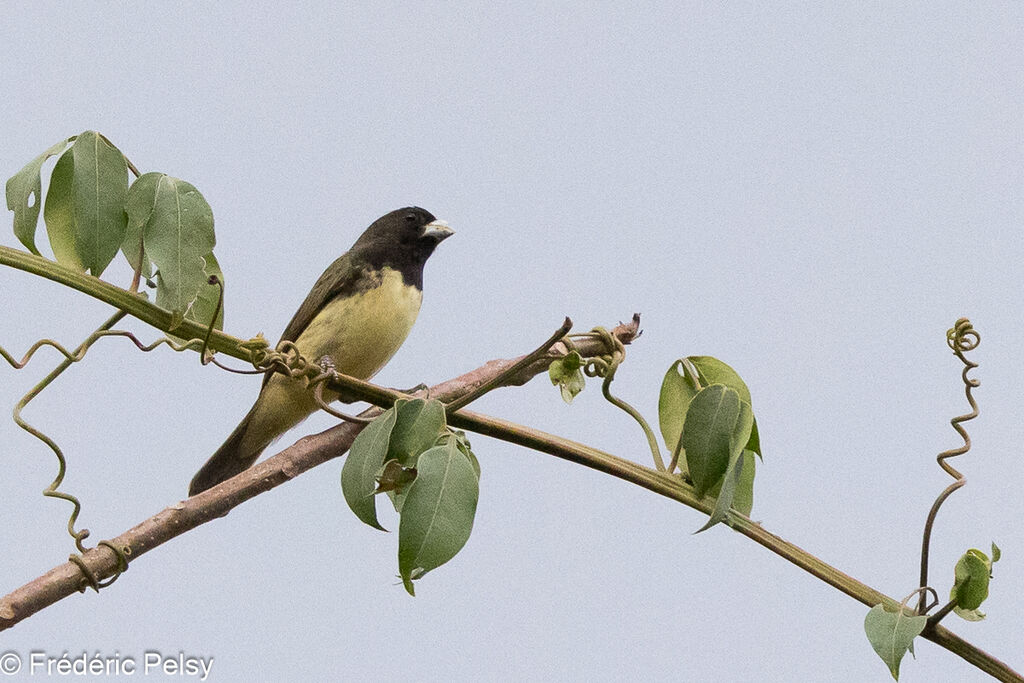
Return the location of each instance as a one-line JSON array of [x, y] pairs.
[[342, 277]]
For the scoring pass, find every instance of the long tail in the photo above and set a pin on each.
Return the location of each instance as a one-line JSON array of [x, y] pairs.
[[228, 461]]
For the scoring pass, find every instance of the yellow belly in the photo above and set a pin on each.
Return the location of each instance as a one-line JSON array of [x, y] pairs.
[[359, 333]]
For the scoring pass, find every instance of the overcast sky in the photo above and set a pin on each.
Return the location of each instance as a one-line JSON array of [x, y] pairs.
[[812, 193]]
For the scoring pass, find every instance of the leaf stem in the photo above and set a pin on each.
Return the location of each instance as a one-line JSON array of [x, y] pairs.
[[934, 619], [652, 441], [674, 462]]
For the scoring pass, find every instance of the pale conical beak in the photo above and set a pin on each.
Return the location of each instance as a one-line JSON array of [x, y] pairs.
[[437, 230]]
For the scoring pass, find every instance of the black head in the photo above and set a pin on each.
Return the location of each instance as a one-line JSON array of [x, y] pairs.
[[402, 240]]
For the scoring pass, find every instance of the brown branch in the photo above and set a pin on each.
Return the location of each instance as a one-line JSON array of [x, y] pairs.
[[66, 579], [314, 450]]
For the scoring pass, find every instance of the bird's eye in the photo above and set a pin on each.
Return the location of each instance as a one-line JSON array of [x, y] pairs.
[[411, 217]]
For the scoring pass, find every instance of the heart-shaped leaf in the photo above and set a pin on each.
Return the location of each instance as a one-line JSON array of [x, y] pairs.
[[891, 634]]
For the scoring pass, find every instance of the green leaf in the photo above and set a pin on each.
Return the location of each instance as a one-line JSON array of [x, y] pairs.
[[567, 374], [891, 634], [727, 490], [970, 585], [437, 515], [364, 461], [203, 307], [744, 500], [177, 233], [677, 390], [681, 385], [996, 552], [25, 196], [209, 295], [100, 188], [717, 426], [139, 208], [397, 496], [969, 614], [206, 301], [419, 424], [710, 371], [754, 444], [463, 445], [59, 213]]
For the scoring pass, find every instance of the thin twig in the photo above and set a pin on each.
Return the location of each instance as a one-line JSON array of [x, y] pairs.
[[522, 363]]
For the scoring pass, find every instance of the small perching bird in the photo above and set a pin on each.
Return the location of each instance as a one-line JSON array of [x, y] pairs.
[[357, 314]]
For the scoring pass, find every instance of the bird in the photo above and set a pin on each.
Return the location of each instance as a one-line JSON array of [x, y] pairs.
[[357, 315]]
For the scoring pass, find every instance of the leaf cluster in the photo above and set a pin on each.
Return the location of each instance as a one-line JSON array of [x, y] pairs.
[[429, 473], [706, 420], [162, 225]]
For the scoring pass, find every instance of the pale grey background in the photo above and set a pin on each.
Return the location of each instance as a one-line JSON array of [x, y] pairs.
[[813, 193]]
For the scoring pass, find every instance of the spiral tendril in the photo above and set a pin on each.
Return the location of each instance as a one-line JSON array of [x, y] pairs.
[[960, 338]]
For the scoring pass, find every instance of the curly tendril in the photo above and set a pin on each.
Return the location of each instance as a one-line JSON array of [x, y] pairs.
[[605, 367], [961, 338]]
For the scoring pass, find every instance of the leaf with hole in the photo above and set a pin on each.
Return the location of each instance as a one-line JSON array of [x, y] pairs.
[[24, 192]]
